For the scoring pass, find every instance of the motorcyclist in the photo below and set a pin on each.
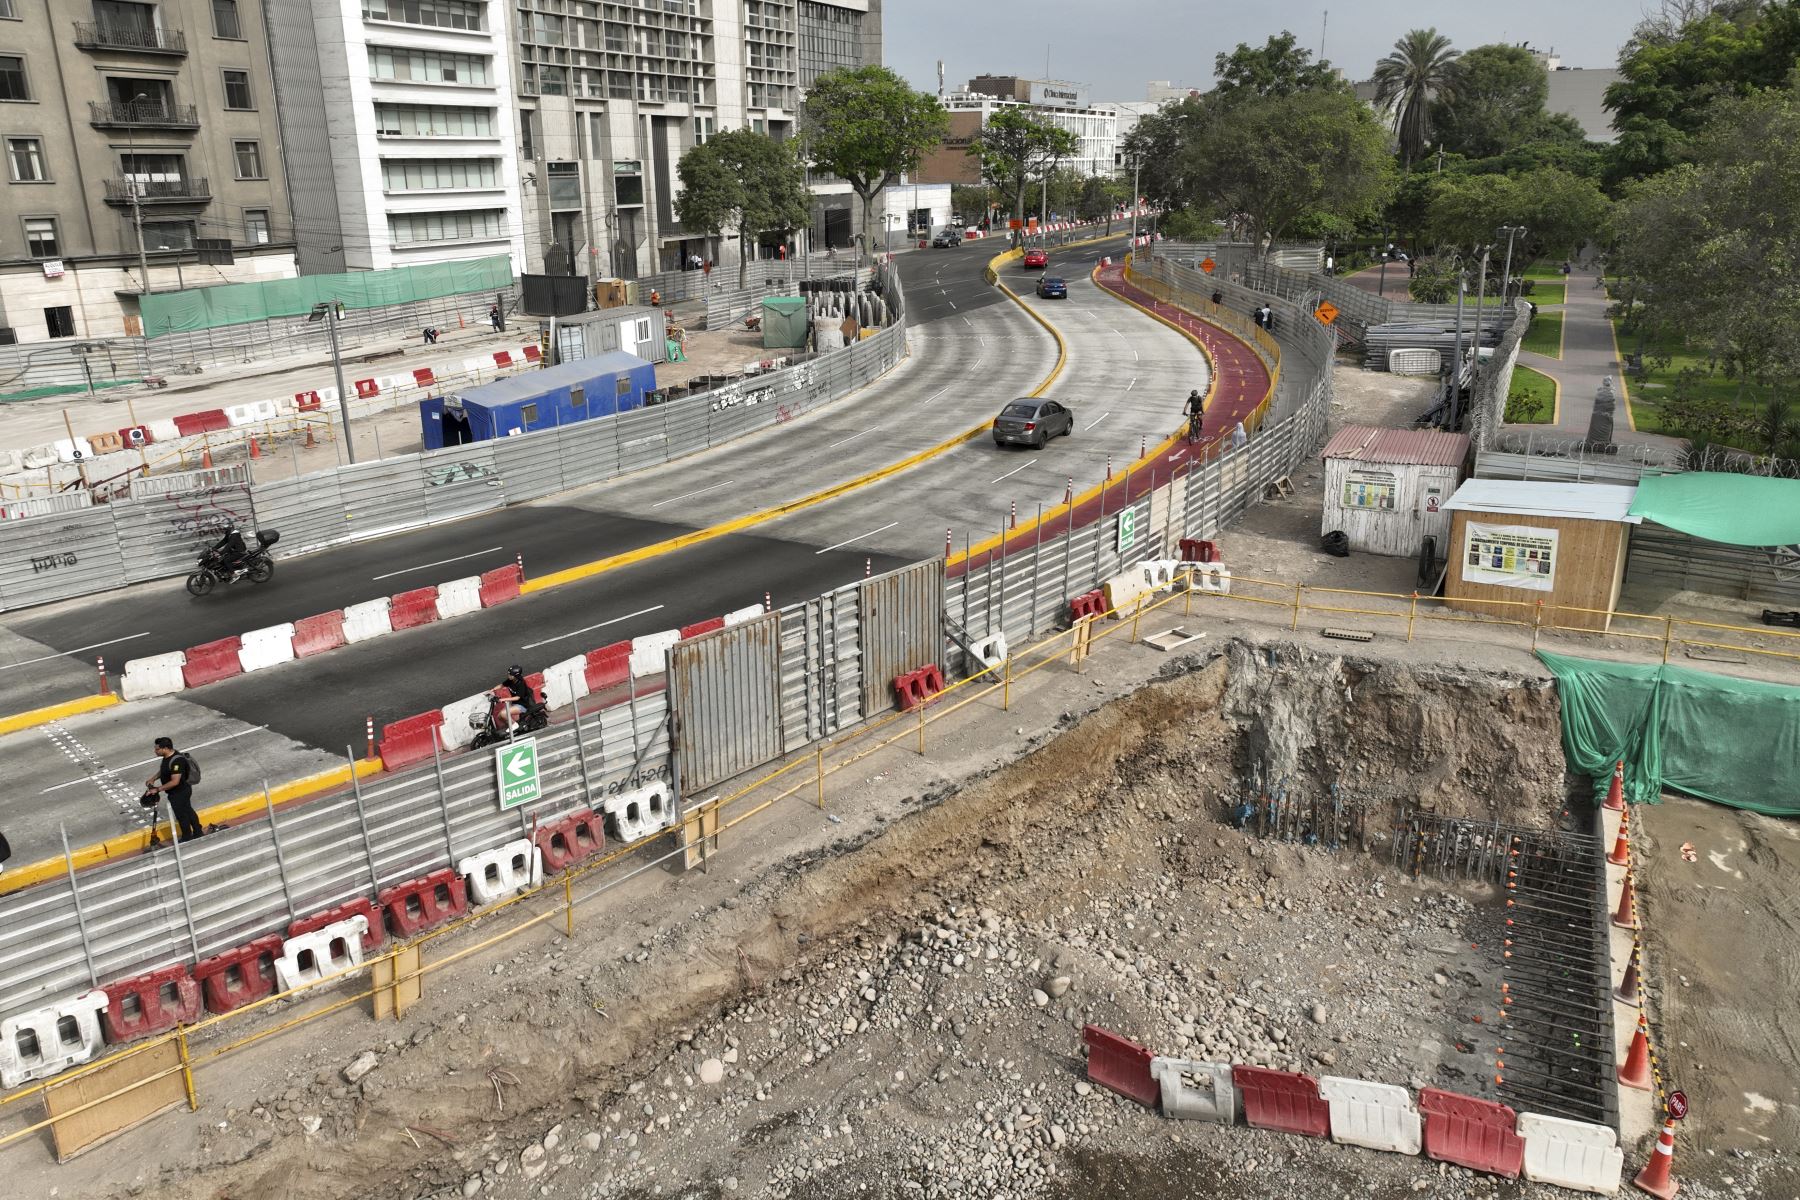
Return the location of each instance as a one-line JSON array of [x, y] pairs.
[[524, 697], [232, 552], [1196, 412]]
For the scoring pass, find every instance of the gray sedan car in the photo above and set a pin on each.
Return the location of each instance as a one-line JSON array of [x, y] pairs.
[[1031, 422]]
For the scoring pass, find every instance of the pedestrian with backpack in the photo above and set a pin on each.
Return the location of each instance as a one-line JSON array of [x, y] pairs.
[[175, 778]]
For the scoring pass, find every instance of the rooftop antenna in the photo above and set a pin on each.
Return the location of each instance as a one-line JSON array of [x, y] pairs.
[[1046, 60], [940, 63], [1324, 26]]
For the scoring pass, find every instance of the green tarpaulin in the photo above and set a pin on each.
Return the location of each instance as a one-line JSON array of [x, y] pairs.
[[1739, 510], [1736, 741], [239, 303]]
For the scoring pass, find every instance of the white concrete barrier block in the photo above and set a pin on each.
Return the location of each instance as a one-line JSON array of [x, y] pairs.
[[1571, 1154], [156, 675], [68, 451], [307, 959], [460, 726], [565, 682], [240, 414], [49, 1040], [475, 366], [459, 597], [992, 651], [1124, 591], [366, 620], [1195, 1091], [1211, 577], [1379, 1116], [738, 616], [503, 871], [163, 429], [647, 652], [639, 812], [267, 647], [1159, 573]]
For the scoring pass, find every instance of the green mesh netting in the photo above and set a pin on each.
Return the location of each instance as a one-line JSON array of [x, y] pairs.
[[1735, 741], [238, 303]]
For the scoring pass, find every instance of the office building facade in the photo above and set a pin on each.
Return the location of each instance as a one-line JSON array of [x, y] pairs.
[[120, 119]]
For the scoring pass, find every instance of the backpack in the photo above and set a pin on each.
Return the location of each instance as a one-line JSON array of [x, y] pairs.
[[193, 768]]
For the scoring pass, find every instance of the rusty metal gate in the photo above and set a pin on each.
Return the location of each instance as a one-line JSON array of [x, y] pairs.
[[902, 623], [725, 701]]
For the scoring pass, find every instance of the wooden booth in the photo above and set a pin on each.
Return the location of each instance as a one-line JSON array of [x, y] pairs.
[[1520, 542], [1386, 488]]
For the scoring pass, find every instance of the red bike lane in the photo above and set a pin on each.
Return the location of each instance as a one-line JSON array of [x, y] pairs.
[[1240, 384]]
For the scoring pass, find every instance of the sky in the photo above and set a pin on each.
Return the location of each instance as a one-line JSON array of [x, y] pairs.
[[1116, 46]]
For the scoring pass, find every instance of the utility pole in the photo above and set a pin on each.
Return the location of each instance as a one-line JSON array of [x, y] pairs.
[[137, 207], [1136, 163], [328, 311], [1511, 231], [1453, 398], [1480, 312]]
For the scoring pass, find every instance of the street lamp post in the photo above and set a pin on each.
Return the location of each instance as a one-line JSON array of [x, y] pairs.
[[1381, 284], [137, 207], [1511, 231], [1136, 164], [328, 312]]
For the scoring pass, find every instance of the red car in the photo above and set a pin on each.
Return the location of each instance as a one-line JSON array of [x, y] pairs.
[[1036, 257]]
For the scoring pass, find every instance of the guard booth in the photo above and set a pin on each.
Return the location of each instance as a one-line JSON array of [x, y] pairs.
[[1386, 488], [533, 400], [629, 329], [1514, 543]]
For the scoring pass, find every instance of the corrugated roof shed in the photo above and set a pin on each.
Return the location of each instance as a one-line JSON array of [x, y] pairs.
[[1424, 447], [1538, 498]]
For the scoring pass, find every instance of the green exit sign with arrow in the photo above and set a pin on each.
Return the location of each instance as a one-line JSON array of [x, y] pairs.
[[517, 767]]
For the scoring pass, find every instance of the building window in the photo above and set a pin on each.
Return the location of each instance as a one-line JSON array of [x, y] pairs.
[[25, 160], [256, 226], [249, 159], [443, 14], [438, 174], [565, 184], [427, 66], [225, 20], [6, 9], [703, 129], [40, 238], [59, 321], [429, 120], [466, 225], [237, 90], [168, 235], [12, 78]]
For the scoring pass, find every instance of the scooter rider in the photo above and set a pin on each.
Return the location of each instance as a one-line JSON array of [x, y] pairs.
[[524, 697], [232, 551]]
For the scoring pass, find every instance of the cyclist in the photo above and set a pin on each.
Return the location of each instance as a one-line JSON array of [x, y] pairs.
[[1196, 415]]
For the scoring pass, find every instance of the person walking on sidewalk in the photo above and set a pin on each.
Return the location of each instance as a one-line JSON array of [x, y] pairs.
[[174, 779], [494, 316]]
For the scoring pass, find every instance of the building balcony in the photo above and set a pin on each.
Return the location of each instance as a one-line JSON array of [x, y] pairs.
[[159, 191], [105, 114], [97, 35]]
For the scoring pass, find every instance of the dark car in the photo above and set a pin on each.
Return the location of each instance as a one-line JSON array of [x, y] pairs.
[[1037, 256], [948, 237], [1051, 287], [1032, 423]]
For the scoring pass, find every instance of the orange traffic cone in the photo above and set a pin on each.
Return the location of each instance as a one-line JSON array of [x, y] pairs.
[[255, 450], [206, 457], [1627, 991], [1626, 915], [309, 436], [1621, 851], [1615, 795], [1654, 1178], [1636, 1071]]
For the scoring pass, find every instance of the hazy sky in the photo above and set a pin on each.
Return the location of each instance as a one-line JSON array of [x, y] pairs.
[[1116, 46]]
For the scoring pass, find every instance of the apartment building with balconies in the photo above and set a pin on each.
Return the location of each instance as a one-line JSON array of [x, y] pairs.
[[142, 153]]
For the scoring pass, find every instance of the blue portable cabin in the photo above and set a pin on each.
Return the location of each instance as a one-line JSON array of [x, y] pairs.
[[577, 391]]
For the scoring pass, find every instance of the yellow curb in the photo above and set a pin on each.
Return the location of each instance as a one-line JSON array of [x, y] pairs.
[[1624, 388], [56, 712], [136, 842], [738, 524]]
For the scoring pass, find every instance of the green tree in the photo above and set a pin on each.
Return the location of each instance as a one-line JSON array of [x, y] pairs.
[[1681, 61], [1420, 70], [1559, 211], [1279, 67], [1495, 102], [1707, 250], [1016, 149], [868, 127], [742, 180]]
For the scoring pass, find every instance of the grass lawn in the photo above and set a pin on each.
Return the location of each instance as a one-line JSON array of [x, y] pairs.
[[1658, 381], [1531, 399], [1545, 335], [1547, 283]]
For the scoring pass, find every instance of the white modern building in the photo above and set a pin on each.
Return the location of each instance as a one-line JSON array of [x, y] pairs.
[[418, 108], [1055, 101]]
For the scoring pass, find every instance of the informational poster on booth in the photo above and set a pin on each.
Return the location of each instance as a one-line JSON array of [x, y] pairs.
[[1364, 488], [1516, 556]]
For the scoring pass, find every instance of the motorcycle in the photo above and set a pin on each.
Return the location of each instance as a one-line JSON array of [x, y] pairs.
[[495, 725], [257, 567]]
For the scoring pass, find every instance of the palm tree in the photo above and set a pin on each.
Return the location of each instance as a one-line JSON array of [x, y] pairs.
[[1421, 69]]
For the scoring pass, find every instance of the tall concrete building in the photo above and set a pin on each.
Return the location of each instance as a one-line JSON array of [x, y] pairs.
[[610, 95], [142, 153], [1056, 101]]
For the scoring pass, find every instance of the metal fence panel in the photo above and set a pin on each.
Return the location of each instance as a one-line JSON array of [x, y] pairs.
[[164, 535], [308, 512], [58, 555], [461, 481], [531, 467], [381, 497], [902, 627], [726, 691]]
